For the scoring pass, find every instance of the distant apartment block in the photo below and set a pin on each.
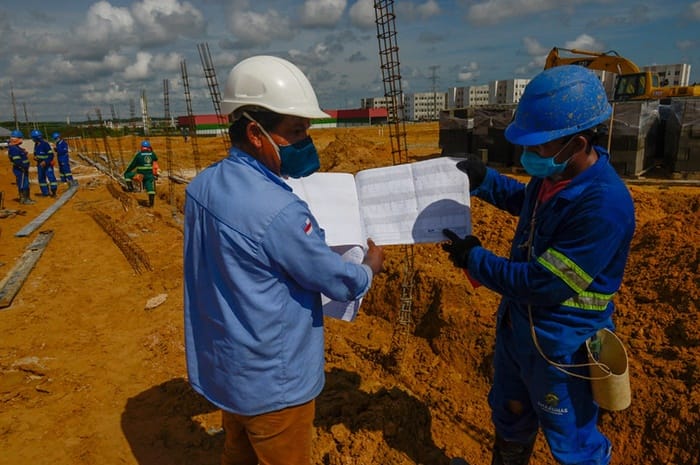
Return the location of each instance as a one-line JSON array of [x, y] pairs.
[[376, 102], [507, 91], [469, 96], [671, 75], [424, 106], [495, 92]]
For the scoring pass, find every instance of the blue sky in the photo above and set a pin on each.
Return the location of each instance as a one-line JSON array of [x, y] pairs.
[[68, 58]]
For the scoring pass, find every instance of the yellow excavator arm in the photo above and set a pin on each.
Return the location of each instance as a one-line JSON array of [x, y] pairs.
[[632, 83], [609, 61]]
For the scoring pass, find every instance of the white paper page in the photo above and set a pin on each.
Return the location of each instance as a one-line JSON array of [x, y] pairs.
[[346, 311], [333, 201], [412, 203]]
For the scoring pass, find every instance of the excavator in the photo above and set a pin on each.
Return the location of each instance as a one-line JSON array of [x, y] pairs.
[[632, 83]]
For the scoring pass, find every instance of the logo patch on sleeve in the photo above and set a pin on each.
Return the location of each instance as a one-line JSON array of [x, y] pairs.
[[308, 227]]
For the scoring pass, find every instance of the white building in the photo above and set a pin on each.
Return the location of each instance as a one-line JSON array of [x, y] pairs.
[[424, 106], [506, 91], [375, 102], [671, 75], [469, 96]]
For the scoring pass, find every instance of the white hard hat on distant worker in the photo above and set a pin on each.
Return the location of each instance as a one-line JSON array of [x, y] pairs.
[[272, 83]]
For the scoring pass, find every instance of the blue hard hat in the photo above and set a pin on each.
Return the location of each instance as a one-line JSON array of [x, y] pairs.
[[146, 144], [35, 134], [17, 133], [55, 136], [558, 102]]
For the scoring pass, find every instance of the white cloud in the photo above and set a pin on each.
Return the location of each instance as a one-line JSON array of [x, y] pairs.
[[148, 23], [685, 44], [250, 28], [163, 20], [585, 42], [104, 22], [494, 11], [323, 13], [533, 47], [362, 14], [694, 12], [141, 68], [167, 62], [113, 93], [411, 10], [428, 9]]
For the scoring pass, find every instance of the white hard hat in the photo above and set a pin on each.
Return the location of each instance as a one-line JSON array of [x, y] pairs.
[[272, 83]]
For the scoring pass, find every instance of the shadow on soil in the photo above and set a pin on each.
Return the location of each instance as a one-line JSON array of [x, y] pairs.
[[160, 427], [404, 421]]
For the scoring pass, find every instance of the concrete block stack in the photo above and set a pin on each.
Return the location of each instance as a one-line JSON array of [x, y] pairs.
[[635, 136], [682, 136]]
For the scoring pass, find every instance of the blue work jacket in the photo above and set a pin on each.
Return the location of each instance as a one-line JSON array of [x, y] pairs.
[[18, 157], [579, 249], [62, 149], [255, 265], [43, 151]]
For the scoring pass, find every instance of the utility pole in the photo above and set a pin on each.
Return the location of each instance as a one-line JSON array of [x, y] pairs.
[[433, 78], [26, 118], [144, 114], [14, 106]]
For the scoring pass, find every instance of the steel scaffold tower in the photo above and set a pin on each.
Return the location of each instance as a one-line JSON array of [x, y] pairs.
[[210, 75], [168, 144], [391, 77], [190, 116]]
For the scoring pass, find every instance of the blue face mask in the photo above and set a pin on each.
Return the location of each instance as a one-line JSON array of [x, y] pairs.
[[297, 160], [542, 167], [300, 159]]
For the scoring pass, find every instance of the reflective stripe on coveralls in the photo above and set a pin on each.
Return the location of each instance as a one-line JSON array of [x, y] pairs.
[[576, 278]]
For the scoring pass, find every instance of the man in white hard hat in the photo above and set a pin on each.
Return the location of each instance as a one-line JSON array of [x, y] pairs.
[[256, 264]]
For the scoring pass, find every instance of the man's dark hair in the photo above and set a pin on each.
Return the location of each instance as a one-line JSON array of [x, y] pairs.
[[267, 119]]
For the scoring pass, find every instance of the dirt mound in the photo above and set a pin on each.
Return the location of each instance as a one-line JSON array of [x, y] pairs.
[[91, 373]]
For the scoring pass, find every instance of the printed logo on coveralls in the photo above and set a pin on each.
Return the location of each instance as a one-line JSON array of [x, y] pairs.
[[551, 401]]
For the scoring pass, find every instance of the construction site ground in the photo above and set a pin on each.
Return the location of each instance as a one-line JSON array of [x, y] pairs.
[[92, 367]]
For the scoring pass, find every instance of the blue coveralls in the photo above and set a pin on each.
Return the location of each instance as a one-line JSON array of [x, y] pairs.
[[43, 154], [578, 254], [20, 166], [63, 160], [255, 266]]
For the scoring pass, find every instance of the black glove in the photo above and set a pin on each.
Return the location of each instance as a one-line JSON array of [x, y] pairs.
[[475, 170], [459, 248]]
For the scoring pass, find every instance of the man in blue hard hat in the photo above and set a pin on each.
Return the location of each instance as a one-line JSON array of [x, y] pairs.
[[63, 156], [44, 157], [20, 166], [576, 222]]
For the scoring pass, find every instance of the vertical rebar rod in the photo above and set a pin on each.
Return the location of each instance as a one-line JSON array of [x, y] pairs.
[[391, 77]]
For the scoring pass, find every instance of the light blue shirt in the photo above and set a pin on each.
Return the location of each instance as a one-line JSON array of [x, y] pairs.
[[255, 264]]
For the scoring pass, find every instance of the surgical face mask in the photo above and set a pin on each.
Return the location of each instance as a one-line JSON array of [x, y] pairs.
[[300, 159], [297, 160], [543, 167]]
